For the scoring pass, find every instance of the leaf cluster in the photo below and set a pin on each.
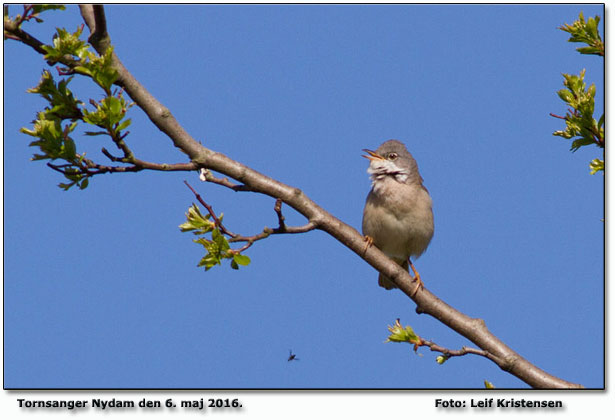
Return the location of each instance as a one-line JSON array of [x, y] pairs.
[[217, 246], [587, 33], [581, 126], [580, 123], [68, 47], [109, 113], [53, 139], [32, 12], [400, 334], [99, 68], [52, 135]]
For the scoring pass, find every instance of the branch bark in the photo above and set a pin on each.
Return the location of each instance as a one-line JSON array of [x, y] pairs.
[[13, 31], [473, 329]]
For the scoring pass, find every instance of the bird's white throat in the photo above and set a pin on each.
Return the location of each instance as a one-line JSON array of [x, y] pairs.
[[378, 169]]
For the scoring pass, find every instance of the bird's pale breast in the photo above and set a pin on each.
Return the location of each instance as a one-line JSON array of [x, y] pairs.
[[399, 218]]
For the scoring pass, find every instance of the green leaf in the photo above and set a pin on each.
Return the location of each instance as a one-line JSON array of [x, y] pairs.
[[65, 187], [241, 259], [83, 70], [203, 241], [565, 95], [70, 150], [186, 227], [114, 105], [39, 8], [36, 156], [219, 240], [123, 125], [208, 261], [580, 142], [591, 27], [590, 50]]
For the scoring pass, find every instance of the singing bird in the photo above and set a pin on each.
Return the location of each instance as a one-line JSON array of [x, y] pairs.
[[398, 216]]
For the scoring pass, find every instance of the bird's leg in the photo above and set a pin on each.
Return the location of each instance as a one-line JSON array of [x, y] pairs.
[[368, 242], [417, 278]]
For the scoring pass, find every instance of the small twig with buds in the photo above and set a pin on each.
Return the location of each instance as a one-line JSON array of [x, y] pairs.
[[250, 240], [448, 353], [406, 334]]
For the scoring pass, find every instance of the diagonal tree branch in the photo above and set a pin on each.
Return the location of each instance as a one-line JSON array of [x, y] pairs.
[[472, 328]]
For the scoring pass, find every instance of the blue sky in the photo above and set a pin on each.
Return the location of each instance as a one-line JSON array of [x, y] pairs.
[[102, 290]]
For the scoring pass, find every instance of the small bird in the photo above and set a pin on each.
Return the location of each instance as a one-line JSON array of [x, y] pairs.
[[292, 356], [398, 215]]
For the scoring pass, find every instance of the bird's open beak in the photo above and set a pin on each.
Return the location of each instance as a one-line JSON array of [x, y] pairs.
[[371, 155]]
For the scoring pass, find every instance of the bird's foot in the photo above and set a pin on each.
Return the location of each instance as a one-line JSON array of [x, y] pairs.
[[369, 241], [417, 279]]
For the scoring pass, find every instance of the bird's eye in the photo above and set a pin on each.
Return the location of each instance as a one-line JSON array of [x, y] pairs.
[[392, 156]]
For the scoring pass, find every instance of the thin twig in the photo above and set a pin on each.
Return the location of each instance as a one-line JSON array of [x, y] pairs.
[[142, 164], [250, 240], [110, 156], [557, 116], [278, 209], [209, 177], [455, 353]]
